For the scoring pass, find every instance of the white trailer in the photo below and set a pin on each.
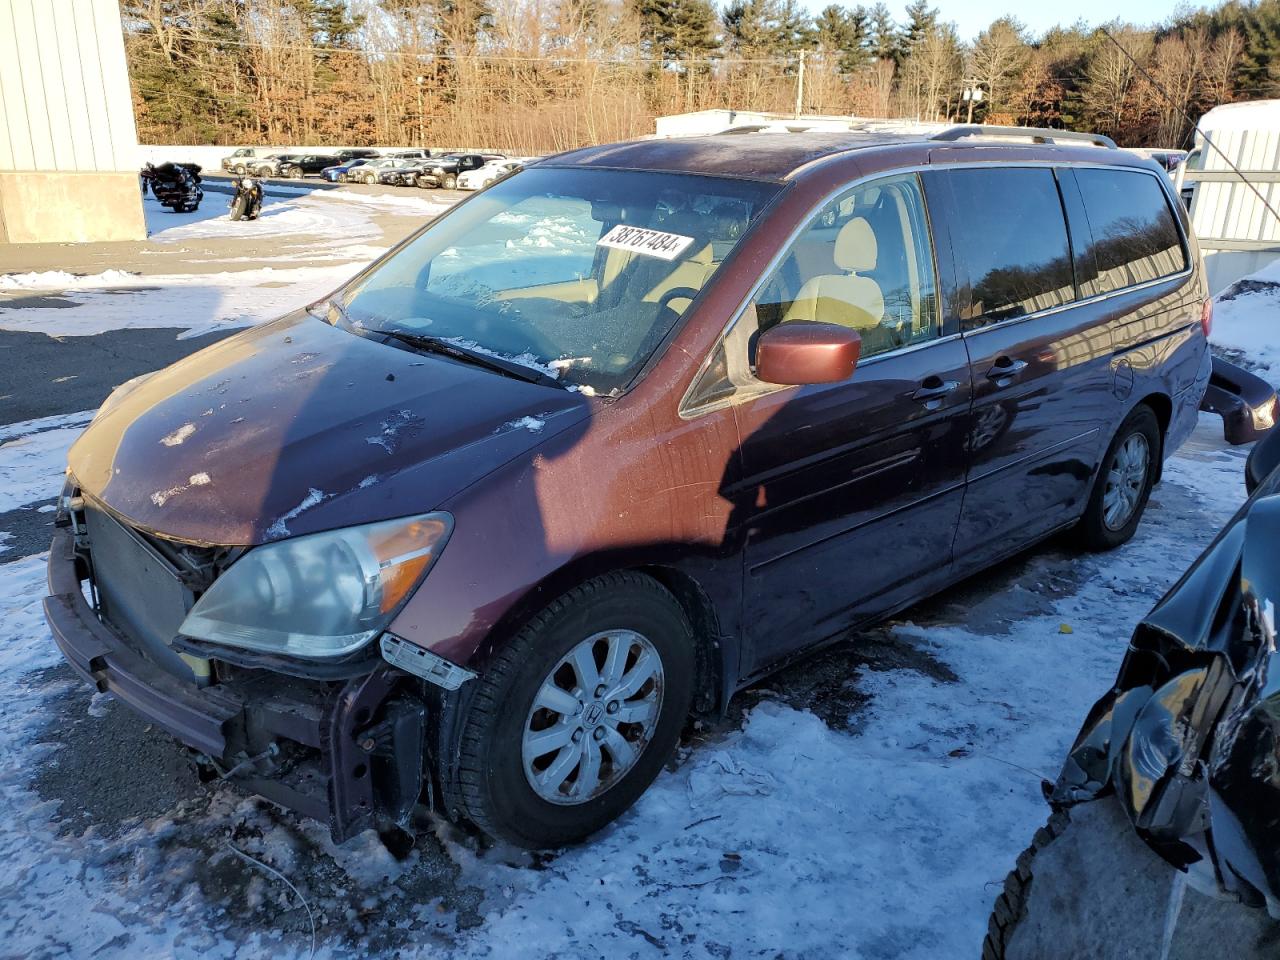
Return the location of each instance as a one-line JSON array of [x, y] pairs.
[[1238, 234]]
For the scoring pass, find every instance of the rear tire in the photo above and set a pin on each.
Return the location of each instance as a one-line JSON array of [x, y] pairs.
[[1123, 484], [615, 719], [240, 207]]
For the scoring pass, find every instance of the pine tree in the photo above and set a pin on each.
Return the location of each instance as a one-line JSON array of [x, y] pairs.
[[882, 34], [674, 30], [842, 32], [751, 28]]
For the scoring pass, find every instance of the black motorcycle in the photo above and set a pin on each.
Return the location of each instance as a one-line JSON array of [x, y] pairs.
[[246, 202], [175, 185]]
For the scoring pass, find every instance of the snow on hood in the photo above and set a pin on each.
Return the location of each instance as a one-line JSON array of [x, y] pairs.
[[296, 426]]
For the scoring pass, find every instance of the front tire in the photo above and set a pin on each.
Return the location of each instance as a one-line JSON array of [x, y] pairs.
[[450, 181], [575, 717], [1124, 481]]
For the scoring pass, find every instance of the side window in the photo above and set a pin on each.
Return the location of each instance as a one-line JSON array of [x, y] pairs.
[[1010, 237], [865, 262], [1135, 238]]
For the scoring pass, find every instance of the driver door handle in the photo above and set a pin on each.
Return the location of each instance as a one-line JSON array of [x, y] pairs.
[[933, 390], [1005, 371]]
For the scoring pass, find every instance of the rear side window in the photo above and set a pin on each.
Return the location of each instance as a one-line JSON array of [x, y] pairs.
[[1135, 238], [1010, 238]]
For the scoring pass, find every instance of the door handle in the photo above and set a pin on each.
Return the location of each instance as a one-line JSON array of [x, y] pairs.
[[933, 390], [1005, 371]]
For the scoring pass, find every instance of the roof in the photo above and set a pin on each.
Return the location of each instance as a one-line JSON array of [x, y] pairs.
[[1261, 115], [767, 156], [775, 156]]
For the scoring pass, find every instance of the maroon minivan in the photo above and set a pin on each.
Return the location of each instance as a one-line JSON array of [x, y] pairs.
[[610, 440]]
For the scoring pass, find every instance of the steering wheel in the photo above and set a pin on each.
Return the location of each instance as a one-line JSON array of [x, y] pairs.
[[676, 293]]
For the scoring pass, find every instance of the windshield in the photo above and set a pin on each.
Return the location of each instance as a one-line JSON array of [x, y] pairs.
[[578, 272]]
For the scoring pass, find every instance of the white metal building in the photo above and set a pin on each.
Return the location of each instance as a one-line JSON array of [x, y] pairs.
[[1238, 234], [68, 142]]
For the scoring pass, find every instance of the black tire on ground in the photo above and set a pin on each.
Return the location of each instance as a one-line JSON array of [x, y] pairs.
[[1011, 904], [239, 169], [450, 181], [370, 179], [240, 207], [491, 783], [342, 178], [1093, 531], [292, 172]]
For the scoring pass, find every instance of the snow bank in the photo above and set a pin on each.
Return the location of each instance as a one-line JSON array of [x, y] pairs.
[[1246, 319]]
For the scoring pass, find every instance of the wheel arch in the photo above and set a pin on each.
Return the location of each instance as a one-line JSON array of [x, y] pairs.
[[714, 682], [1162, 406]]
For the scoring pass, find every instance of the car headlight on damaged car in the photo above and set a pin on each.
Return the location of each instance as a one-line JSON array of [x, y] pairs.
[[322, 595]]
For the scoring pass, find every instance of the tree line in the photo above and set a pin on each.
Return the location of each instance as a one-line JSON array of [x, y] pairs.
[[543, 75]]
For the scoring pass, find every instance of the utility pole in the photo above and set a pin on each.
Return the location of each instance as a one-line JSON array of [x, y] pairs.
[[422, 127], [800, 84]]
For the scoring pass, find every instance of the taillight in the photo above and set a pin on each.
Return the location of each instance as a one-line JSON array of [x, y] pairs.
[[1206, 317]]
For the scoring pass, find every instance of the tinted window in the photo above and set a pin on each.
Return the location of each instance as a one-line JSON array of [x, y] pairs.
[[865, 262], [1010, 237], [1134, 236]]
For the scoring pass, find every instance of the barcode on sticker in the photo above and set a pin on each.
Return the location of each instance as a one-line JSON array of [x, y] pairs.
[[651, 243]]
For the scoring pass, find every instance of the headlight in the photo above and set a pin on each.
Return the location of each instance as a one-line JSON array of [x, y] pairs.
[[321, 595], [1264, 417]]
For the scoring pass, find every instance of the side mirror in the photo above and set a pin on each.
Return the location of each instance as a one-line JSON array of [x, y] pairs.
[[799, 352]]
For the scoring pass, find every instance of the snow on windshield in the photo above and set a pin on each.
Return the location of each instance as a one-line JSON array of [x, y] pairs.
[[542, 240]]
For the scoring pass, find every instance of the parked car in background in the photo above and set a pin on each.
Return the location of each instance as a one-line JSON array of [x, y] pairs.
[[872, 365], [270, 165], [402, 172], [302, 166], [444, 170], [1167, 159], [339, 172], [369, 171], [493, 170], [239, 160], [354, 153]]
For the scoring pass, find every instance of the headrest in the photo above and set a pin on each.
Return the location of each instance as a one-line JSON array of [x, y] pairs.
[[856, 246]]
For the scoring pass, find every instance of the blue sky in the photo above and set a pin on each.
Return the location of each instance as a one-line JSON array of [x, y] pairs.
[[971, 16]]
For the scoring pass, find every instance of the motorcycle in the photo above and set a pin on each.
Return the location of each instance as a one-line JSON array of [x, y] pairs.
[[175, 185], [246, 202]]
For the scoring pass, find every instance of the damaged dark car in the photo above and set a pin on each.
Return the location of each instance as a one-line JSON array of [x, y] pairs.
[[613, 439], [1188, 740]]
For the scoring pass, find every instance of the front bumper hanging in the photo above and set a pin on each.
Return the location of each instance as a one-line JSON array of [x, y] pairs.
[[348, 753]]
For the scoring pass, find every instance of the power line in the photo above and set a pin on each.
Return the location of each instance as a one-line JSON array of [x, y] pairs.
[[1186, 116]]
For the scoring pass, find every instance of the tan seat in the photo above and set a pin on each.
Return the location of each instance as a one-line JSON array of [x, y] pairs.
[[844, 298]]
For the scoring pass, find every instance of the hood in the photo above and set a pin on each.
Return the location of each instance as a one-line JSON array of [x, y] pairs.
[[297, 426]]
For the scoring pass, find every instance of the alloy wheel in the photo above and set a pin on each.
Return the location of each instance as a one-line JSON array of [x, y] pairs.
[[1126, 478], [592, 717]]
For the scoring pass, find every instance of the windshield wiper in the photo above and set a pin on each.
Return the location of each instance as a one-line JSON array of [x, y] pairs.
[[449, 348]]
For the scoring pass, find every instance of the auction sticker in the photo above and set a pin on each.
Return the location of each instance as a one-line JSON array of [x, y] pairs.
[[651, 243]]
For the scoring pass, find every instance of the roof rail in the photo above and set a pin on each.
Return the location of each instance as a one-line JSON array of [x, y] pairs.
[[1035, 134]]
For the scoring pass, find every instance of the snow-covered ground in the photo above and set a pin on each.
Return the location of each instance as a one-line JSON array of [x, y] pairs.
[[333, 231], [867, 804]]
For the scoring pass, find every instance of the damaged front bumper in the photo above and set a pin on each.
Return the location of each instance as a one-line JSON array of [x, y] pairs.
[[347, 751], [1188, 739], [1246, 403]]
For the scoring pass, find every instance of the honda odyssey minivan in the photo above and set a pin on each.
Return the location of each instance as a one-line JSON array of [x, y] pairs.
[[612, 439]]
